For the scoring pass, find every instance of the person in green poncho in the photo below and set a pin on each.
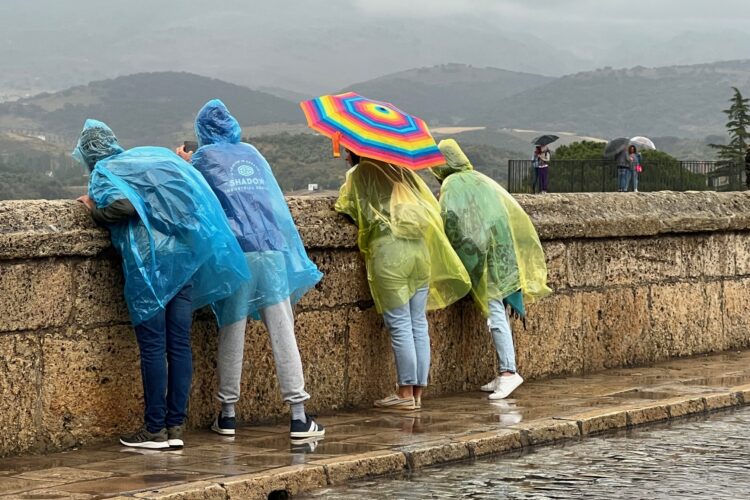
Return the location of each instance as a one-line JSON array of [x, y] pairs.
[[411, 266], [499, 248]]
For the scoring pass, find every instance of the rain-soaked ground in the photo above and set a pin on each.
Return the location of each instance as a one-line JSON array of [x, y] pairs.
[[701, 458]]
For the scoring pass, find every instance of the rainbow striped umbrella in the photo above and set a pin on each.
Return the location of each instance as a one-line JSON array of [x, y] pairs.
[[373, 129]]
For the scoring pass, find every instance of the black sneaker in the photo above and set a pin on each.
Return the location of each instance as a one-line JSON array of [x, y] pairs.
[[224, 425], [145, 439], [174, 436], [304, 430]]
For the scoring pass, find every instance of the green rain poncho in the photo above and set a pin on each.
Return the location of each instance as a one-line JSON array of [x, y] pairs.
[[491, 233], [401, 236]]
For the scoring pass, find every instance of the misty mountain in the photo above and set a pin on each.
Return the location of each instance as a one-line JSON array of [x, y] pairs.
[[682, 101], [145, 108], [449, 93]]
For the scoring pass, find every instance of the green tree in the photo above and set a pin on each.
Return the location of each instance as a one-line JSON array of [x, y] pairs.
[[739, 137]]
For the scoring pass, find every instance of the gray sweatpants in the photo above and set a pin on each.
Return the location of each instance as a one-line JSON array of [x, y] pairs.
[[279, 321]]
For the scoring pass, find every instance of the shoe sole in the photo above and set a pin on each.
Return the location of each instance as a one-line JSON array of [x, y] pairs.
[[511, 392], [176, 443], [306, 435], [223, 432], [148, 445]]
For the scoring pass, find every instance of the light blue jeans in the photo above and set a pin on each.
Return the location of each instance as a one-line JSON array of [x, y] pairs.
[[502, 336], [410, 339]]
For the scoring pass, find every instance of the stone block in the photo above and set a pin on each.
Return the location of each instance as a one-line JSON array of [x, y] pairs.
[[741, 251], [648, 414], [20, 385], [721, 401], [689, 315], [718, 254], [547, 430], [556, 255], [322, 340], [91, 386], [197, 490], [736, 318], [624, 261], [551, 343], [99, 296], [35, 295], [595, 421], [682, 406], [492, 443], [617, 331], [293, 480], [372, 464], [344, 280], [371, 372], [423, 455]]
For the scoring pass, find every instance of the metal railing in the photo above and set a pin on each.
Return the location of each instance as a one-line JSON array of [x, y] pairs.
[[570, 176]]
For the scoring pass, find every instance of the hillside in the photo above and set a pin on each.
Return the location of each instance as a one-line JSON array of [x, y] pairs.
[[449, 93], [681, 101], [145, 108]]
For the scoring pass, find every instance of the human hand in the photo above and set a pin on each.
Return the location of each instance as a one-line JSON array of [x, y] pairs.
[[185, 155], [88, 202]]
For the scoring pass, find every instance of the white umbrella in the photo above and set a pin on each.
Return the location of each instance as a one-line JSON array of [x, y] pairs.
[[643, 142]]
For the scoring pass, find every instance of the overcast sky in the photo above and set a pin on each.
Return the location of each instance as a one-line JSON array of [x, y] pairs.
[[313, 45]]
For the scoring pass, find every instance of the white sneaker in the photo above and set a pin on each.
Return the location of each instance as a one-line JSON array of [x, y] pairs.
[[506, 386], [491, 386]]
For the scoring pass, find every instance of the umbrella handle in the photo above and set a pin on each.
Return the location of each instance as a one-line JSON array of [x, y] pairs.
[[336, 140]]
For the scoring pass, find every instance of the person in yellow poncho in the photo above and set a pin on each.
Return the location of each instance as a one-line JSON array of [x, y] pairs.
[[411, 266], [500, 249]]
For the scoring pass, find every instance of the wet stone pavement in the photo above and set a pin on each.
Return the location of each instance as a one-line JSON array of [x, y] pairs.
[[706, 457], [110, 470]]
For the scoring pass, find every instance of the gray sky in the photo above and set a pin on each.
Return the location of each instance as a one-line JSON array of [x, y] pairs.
[[323, 45]]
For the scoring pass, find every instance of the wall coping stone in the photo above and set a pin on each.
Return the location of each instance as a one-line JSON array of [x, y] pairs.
[[49, 228]]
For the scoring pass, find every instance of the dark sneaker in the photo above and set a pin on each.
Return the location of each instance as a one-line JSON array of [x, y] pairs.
[[304, 430], [174, 436], [145, 439], [224, 425]]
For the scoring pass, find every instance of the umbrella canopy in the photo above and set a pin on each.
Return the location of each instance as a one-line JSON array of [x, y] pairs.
[[544, 140], [616, 146], [373, 129], [643, 142]]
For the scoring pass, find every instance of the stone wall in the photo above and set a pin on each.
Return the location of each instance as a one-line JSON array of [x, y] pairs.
[[637, 278]]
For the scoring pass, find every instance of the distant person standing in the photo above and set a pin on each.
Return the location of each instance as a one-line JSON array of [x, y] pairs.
[[541, 168], [623, 171], [747, 168], [634, 165]]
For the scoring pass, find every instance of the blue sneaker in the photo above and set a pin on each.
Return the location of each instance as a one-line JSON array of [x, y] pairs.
[[305, 430], [224, 425]]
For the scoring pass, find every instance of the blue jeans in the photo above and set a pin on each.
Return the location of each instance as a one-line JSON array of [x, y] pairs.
[[410, 339], [502, 336], [623, 178], [167, 362]]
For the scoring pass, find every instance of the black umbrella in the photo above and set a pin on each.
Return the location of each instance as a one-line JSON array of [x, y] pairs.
[[544, 140], [615, 147]]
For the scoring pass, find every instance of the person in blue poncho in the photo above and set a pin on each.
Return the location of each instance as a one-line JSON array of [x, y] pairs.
[[282, 272], [178, 254]]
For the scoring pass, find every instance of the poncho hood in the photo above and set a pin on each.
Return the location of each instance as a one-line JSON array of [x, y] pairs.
[[214, 124], [455, 160], [96, 142]]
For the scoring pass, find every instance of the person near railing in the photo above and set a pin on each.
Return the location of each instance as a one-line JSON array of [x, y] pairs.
[[634, 165], [623, 171], [540, 162]]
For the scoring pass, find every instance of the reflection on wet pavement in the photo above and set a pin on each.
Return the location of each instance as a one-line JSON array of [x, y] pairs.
[[112, 469]]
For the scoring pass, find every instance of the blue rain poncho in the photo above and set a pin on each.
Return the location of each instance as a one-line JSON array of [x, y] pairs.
[[180, 235], [258, 215]]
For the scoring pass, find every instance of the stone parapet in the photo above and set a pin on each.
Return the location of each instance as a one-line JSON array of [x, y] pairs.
[[637, 279]]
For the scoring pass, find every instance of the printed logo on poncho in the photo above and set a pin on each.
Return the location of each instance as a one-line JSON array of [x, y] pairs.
[[245, 177]]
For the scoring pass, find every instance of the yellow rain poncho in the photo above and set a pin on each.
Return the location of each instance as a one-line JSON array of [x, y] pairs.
[[491, 233], [401, 236]]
